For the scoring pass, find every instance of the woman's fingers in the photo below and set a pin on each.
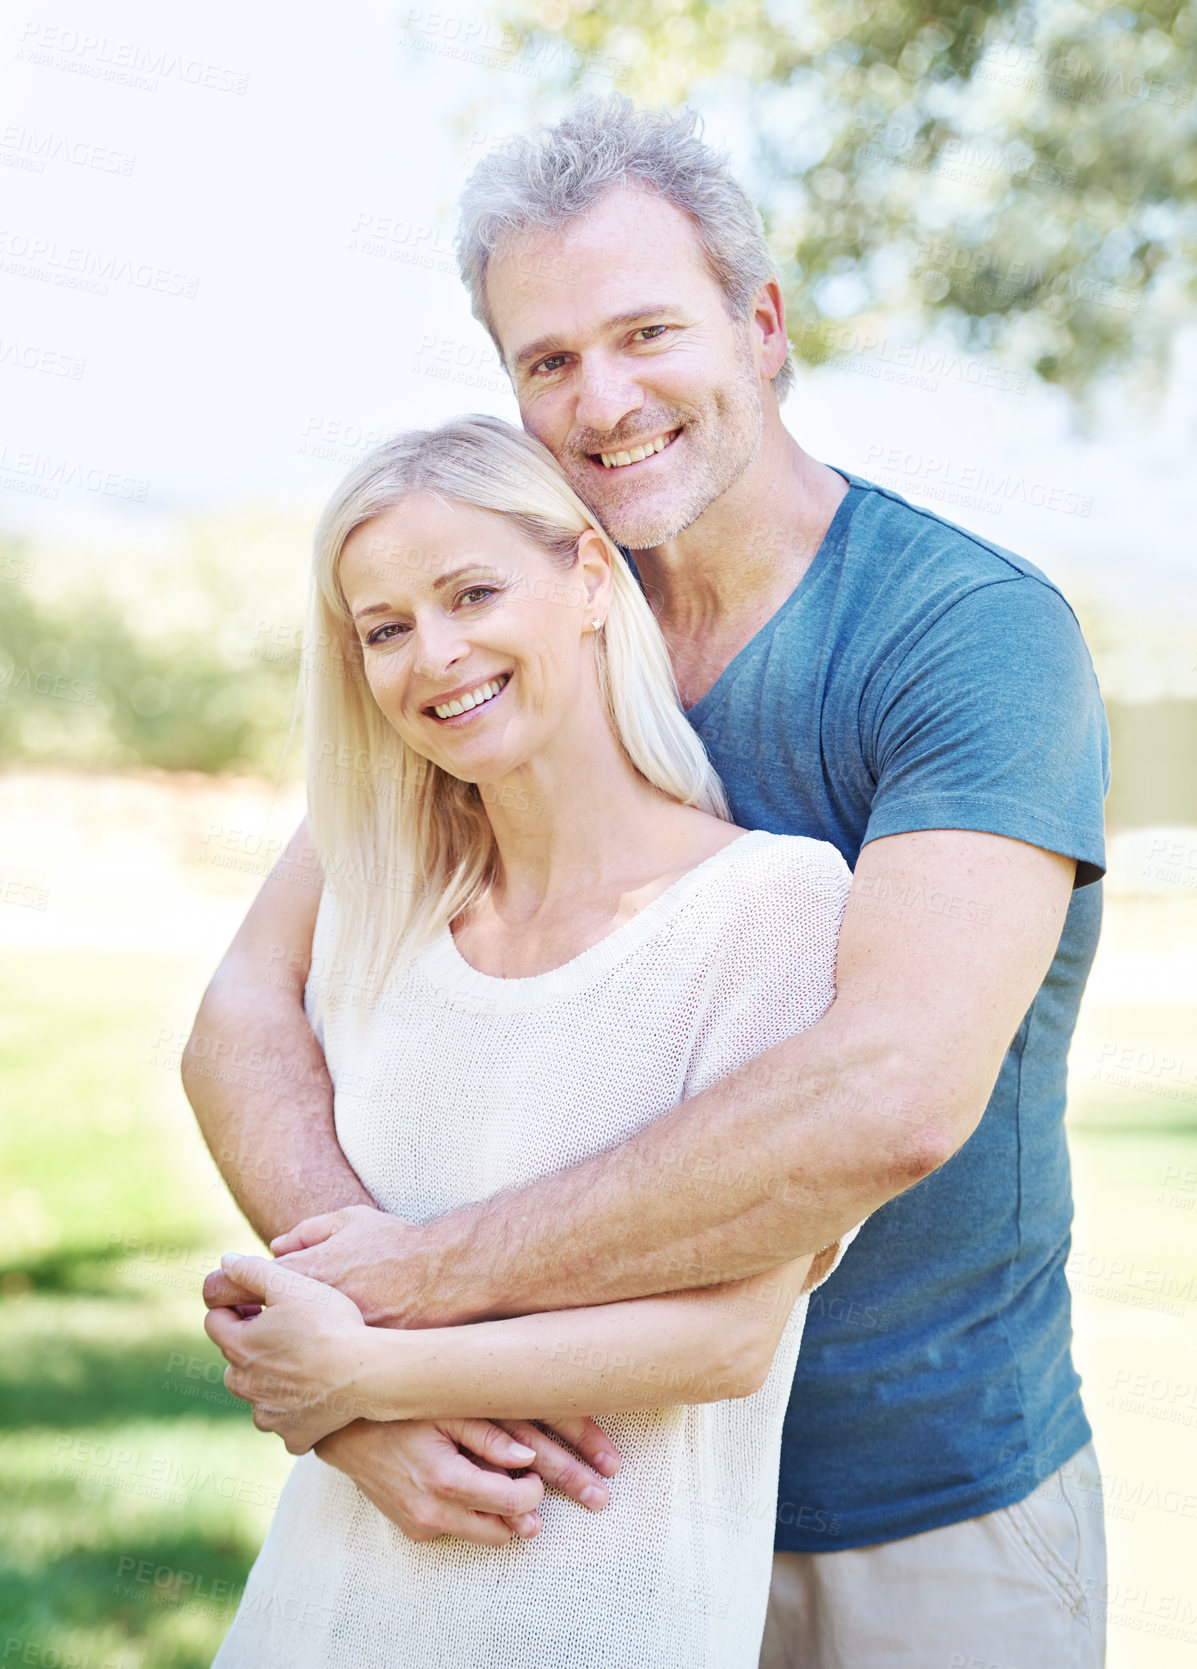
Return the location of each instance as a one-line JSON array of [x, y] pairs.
[[525, 1525], [489, 1442], [308, 1233], [220, 1292], [251, 1274], [493, 1449], [590, 1440], [221, 1327], [557, 1466], [262, 1278], [477, 1486]]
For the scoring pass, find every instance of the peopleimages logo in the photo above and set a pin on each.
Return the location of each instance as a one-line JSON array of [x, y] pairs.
[[77, 268], [53, 474], [29, 356], [129, 63], [944, 478], [24, 147]]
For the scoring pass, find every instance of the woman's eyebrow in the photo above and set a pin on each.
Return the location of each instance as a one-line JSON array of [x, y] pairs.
[[438, 584], [465, 568]]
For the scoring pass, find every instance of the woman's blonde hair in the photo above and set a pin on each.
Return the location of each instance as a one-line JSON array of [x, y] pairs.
[[404, 845]]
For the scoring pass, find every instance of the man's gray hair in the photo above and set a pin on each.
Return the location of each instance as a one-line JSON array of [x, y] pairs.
[[538, 181]]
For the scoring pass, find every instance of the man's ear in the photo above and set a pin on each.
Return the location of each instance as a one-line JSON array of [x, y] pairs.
[[768, 326], [594, 569]]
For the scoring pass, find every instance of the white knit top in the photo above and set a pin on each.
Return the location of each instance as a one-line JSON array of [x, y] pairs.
[[455, 1085]]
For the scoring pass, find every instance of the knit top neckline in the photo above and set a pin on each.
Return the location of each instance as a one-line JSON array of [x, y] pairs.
[[443, 965]]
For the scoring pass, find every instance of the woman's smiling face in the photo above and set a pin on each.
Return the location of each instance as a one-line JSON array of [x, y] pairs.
[[472, 636]]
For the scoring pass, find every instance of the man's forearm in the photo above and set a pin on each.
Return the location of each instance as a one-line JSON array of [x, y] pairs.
[[787, 1154], [775, 1162]]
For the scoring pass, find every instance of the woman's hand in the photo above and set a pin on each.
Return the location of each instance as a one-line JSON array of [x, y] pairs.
[[297, 1360]]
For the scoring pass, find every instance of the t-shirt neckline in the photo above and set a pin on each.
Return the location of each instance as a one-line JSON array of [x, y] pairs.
[[443, 965], [818, 562]]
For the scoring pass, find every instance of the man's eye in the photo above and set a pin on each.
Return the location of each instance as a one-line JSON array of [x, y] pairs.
[[383, 634], [649, 333], [547, 366]]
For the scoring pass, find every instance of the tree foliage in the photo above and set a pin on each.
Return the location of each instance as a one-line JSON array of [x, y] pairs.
[[93, 676], [1023, 176]]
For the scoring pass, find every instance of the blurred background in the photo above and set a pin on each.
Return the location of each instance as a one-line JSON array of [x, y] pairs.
[[226, 271]]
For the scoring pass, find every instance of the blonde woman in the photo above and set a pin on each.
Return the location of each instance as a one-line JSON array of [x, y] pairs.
[[538, 930]]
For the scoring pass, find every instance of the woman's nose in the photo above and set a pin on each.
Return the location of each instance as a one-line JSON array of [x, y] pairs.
[[438, 645]]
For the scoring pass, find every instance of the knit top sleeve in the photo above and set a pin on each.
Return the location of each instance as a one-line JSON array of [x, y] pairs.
[[773, 972]]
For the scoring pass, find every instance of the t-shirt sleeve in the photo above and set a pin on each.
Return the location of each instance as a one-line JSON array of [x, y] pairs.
[[992, 721]]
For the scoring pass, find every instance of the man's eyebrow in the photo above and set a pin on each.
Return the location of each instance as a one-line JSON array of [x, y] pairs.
[[618, 321], [438, 584]]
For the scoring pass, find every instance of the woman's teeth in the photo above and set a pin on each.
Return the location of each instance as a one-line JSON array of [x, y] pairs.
[[616, 460], [475, 698]]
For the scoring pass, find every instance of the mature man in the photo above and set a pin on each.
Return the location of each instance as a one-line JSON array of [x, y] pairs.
[[863, 672]]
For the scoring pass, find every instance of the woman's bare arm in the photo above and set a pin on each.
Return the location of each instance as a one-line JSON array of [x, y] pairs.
[[698, 1346], [310, 1365]]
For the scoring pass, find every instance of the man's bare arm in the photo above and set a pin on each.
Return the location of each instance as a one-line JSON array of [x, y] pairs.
[[946, 939], [253, 1070]]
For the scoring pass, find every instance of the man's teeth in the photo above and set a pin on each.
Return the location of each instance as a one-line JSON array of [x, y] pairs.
[[616, 460], [464, 703]]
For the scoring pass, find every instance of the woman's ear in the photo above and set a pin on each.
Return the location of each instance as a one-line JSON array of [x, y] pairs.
[[594, 568]]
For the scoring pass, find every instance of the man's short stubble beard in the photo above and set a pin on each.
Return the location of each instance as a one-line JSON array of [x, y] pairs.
[[737, 413]]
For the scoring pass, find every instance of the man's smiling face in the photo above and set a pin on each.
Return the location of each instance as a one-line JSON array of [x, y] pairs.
[[627, 364]]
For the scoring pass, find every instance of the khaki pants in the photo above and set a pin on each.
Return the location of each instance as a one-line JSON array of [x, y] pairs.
[[1021, 1588]]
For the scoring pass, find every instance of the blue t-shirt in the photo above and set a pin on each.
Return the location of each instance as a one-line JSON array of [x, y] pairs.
[[919, 677]]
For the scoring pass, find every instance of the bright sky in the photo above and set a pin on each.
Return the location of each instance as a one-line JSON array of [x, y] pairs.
[[226, 266]]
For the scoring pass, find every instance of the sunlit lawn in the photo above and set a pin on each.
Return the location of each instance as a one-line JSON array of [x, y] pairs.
[[133, 1491]]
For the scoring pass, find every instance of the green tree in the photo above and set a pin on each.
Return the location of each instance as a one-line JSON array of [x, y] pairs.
[[1022, 176]]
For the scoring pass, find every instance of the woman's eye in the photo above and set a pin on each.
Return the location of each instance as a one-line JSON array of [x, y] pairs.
[[385, 634], [476, 593], [649, 333]]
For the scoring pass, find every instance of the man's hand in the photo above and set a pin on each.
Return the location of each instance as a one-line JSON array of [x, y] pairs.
[[361, 1251], [416, 1474]]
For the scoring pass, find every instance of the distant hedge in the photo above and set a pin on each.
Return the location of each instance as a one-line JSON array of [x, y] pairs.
[[87, 680]]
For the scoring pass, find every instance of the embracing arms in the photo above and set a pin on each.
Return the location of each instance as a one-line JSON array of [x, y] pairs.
[[309, 1364], [946, 939]]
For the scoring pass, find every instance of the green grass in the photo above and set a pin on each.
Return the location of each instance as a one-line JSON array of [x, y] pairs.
[[134, 1491]]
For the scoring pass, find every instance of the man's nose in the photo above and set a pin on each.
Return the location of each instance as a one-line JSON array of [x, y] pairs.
[[606, 395]]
